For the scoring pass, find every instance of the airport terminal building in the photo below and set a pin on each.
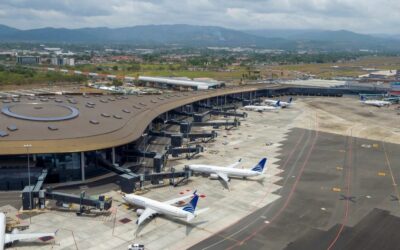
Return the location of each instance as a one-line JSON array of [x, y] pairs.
[[76, 137]]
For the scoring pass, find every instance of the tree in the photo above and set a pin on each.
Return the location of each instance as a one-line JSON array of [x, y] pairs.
[[117, 82], [134, 67]]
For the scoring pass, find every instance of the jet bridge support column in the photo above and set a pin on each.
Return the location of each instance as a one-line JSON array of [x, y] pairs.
[[83, 166], [113, 155]]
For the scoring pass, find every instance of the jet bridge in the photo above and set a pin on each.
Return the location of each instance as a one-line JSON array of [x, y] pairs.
[[189, 151], [217, 124], [225, 113], [177, 138], [185, 127], [129, 183], [35, 196]]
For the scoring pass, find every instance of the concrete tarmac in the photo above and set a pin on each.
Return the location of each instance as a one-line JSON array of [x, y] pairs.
[[335, 190]]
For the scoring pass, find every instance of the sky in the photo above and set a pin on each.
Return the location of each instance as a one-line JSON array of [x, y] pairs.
[[364, 16]]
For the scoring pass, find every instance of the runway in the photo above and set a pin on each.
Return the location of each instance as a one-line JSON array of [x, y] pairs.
[[336, 191]]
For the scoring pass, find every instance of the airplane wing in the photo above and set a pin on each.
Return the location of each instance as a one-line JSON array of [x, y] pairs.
[[147, 213], [10, 238], [224, 177], [176, 200], [234, 165]]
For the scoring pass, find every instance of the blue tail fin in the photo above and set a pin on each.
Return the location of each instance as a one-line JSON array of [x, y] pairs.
[[278, 103], [191, 206], [260, 166], [290, 99], [362, 98]]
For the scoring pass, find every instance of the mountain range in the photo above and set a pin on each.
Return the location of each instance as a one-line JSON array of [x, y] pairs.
[[191, 35]]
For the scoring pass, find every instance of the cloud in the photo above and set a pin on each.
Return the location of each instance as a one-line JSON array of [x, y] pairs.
[[368, 16]]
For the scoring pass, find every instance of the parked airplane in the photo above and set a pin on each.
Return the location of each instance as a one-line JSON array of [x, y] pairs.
[[153, 207], [7, 239], [230, 171], [282, 104], [263, 108], [376, 103]]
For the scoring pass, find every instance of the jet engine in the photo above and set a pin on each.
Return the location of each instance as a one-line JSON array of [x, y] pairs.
[[214, 177], [139, 211]]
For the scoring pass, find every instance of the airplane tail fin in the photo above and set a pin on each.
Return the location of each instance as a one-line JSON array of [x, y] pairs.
[[362, 98], [260, 167], [290, 100], [278, 103], [191, 206]]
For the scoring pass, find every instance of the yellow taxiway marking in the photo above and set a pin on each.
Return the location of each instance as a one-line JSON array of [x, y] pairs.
[[339, 168], [336, 189], [381, 173], [375, 145]]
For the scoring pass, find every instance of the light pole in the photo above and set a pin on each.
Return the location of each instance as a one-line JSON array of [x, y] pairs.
[[27, 146]]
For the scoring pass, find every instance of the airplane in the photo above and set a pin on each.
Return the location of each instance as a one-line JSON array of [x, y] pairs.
[[153, 207], [376, 103], [282, 104], [217, 172], [9, 238], [263, 108], [392, 99]]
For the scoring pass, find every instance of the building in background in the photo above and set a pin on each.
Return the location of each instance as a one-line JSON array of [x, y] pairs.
[[69, 61], [28, 60], [59, 61], [395, 88], [56, 61], [379, 75], [179, 82]]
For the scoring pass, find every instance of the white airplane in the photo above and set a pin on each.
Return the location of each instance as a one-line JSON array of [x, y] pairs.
[[8, 239], [263, 108], [153, 207], [224, 173], [282, 104], [376, 103]]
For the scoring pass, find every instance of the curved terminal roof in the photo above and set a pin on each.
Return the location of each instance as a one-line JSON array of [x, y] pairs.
[[59, 124]]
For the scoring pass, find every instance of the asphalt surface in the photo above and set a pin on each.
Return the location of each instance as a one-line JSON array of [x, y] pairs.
[[338, 193], [12, 198]]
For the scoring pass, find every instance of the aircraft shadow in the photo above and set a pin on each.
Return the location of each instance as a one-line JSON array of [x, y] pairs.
[[224, 184], [258, 180], [189, 225]]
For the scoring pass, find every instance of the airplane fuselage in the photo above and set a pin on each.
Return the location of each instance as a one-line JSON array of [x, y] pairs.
[[157, 206], [377, 103], [260, 108], [274, 103], [231, 172]]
